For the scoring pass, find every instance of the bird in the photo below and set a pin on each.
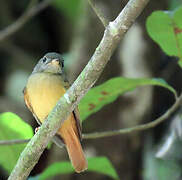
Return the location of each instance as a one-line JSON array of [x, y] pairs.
[[45, 86]]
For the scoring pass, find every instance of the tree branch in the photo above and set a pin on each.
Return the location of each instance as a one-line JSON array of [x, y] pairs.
[[112, 35], [28, 14], [98, 12]]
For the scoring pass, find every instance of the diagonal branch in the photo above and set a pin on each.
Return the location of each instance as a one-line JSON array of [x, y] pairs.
[[28, 14], [112, 35]]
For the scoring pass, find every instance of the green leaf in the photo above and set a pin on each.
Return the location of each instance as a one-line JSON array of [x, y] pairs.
[[102, 165], [96, 164], [180, 63], [12, 127], [165, 28], [108, 92], [71, 8]]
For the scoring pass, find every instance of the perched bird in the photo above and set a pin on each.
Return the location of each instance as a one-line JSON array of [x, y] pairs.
[[45, 86]]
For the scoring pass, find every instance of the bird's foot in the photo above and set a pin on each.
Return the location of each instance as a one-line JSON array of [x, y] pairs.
[[36, 129]]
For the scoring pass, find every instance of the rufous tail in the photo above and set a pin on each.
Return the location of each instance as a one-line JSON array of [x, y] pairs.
[[74, 149]]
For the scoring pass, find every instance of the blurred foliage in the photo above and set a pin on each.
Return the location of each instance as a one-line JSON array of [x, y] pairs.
[[174, 4], [12, 127], [71, 9], [165, 28], [158, 169], [109, 91], [171, 143], [95, 164], [16, 83]]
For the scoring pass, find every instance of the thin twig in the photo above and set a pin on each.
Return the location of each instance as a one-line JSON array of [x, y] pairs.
[[142, 127], [31, 4], [113, 34], [28, 14], [98, 12], [14, 141], [119, 131]]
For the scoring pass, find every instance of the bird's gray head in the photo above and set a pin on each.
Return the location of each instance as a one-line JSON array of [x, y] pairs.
[[51, 63]]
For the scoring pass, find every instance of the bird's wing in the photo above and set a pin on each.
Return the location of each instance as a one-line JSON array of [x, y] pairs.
[[75, 112], [28, 104], [78, 124]]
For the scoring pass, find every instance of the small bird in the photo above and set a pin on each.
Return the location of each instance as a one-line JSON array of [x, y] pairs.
[[44, 87]]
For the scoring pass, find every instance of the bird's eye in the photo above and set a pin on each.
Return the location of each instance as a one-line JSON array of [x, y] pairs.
[[44, 59]]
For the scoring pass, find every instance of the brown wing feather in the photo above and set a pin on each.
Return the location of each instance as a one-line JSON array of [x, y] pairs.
[[75, 113], [28, 104], [78, 124], [26, 99]]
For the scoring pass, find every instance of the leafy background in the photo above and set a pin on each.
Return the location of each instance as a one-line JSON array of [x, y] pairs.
[[126, 94]]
